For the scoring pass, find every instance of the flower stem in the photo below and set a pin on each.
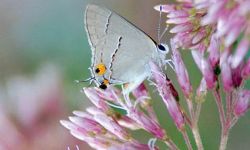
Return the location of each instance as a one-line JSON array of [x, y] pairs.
[[186, 138], [229, 106], [194, 115], [190, 108], [197, 137], [171, 144], [224, 139], [218, 101], [225, 122], [195, 128]]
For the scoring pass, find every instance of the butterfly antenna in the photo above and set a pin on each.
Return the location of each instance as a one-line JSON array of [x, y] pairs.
[[160, 35], [159, 26]]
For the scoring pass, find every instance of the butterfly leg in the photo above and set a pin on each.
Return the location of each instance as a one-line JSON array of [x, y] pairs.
[[170, 63]]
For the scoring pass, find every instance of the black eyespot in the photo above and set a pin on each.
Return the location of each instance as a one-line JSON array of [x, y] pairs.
[[103, 86], [97, 70], [161, 47]]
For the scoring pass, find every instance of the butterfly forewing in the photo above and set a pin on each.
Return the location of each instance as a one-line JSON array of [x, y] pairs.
[[123, 48]]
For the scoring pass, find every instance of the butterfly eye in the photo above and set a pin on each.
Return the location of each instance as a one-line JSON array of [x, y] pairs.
[[100, 69], [163, 48], [104, 84]]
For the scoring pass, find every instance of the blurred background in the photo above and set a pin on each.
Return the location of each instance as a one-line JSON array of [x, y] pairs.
[[44, 48]]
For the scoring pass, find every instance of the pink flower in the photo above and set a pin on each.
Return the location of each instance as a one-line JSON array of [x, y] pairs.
[[147, 123], [202, 89], [186, 18], [237, 76], [105, 126], [205, 68], [182, 28], [214, 51], [167, 97], [181, 71], [93, 96], [112, 126], [231, 18], [242, 103], [240, 53], [140, 91], [226, 71], [100, 131], [246, 69], [227, 78]]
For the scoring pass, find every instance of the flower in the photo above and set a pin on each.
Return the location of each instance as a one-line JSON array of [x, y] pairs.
[[181, 72], [242, 103], [217, 33], [230, 17], [105, 127], [167, 96], [186, 17], [210, 30]]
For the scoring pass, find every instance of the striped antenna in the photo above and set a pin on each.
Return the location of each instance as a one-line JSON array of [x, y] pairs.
[[159, 26]]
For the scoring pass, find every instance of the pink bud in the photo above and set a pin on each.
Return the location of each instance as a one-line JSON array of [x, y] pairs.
[[206, 69], [213, 12], [242, 103], [202, 89], [181, 71], [140, 91], [94, 142], [199, 36], [181, 28], [82, 114], [108, 94], [68, 125], [244, 8], [147, 123], [226, 74], [246, 70], [214, 53], [208, 73], [87, 124], [237, 76], [232, 36], [165, 8], [167, 97], [183, 39], [177, 20], [112, 126], [99, 102], [177, 14], [129, 123], [240, 53], [197, 56], [201, 47]]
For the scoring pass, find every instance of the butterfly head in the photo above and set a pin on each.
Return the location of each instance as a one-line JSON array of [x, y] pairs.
[[163, 48]]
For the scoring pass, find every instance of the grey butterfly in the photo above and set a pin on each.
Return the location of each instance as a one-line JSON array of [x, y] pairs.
[[120, 51]]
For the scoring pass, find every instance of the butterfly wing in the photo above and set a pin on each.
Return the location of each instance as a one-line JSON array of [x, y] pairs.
[[122, 47]]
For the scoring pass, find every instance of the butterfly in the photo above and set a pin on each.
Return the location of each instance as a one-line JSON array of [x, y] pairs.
[[121, 52]]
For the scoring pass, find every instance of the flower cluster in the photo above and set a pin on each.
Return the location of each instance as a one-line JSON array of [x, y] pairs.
[[217, 33], [106, 125]]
